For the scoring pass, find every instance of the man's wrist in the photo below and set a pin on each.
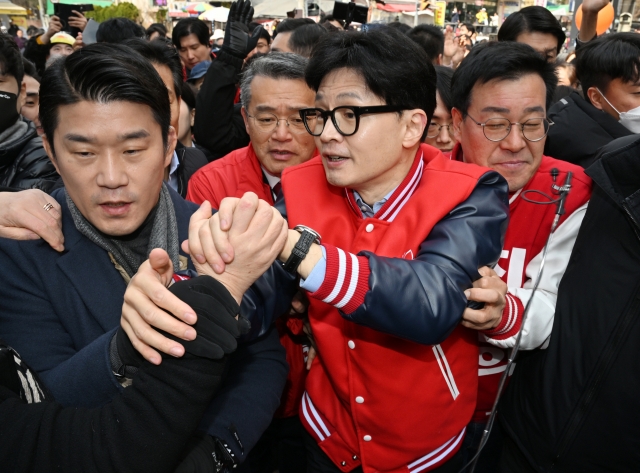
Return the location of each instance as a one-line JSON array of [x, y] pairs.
[[236, 293], [308, 263], [292, 239]]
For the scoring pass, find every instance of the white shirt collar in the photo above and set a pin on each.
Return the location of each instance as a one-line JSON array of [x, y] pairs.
[[272, 180]]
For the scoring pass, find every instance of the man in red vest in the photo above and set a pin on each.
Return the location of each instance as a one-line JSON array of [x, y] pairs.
[[501, 93], [273, 92], [386, 235]]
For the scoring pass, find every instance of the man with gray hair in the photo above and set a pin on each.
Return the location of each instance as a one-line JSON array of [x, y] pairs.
[[273, 91]]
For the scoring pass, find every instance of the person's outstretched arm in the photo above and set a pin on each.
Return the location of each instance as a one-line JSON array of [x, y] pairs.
[[143, 429]]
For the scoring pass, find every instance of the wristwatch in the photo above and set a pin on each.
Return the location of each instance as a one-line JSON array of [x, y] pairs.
[[308, 236]]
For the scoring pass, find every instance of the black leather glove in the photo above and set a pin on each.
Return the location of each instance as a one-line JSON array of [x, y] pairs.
[[236, 35], [216, 309], [206, 454], [217, 327], [125, 360]]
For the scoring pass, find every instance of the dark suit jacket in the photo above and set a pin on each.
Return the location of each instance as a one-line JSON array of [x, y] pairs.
[[60, 310]]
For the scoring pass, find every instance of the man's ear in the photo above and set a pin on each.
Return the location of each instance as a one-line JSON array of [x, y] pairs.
[[49, 149], [172, 139], [438, 60], [595, 97], [245, 117], [457, 119], [193, 117], [416, 122]]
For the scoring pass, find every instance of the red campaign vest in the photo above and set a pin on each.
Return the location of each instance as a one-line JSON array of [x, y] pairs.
[[527, 233], [372, 398], [232, 176]]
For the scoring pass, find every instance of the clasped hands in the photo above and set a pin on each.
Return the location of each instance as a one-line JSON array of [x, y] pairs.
[[235, 246]]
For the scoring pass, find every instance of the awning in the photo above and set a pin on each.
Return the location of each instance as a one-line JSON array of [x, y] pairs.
[[396, 7], [97, 3], [279, 8], [218, 14], [559, 10], [8, 8]]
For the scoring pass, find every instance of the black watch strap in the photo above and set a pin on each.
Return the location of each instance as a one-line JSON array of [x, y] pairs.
[[299, 251]]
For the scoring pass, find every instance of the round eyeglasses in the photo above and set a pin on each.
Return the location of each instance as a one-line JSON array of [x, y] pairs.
[[267, 122], [345, 119], [497, 129], [434, 129]]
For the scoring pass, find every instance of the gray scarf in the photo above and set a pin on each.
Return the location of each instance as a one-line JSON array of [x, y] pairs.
[[164, 234]]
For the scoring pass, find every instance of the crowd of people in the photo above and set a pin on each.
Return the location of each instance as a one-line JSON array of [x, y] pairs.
[[389, 250]]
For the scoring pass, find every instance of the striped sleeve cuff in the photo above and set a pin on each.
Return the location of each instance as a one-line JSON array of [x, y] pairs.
[[346, 280], [511, 319]]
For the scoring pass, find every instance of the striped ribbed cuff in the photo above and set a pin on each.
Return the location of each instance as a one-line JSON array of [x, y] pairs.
[[346, 281], [511, 319]]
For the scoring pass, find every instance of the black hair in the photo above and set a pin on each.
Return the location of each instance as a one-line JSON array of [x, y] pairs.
[[103, 73], [264, 34], [291, 24], [470, 28], [402, 27], [303, 39], [613, 56], [443, 84], [430, 38], [157, 28], [505, 61], [161, 53], [330, 27], [534, 19], [117, 30], [30, 69], [188, 26], [561, 92], [374, 55], [11, 59], [330, 18], [189, 95]]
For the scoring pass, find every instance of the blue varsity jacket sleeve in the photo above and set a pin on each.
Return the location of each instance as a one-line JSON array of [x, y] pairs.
[[422, 300]]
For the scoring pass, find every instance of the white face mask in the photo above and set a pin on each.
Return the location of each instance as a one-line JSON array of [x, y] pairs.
[[630, 120]]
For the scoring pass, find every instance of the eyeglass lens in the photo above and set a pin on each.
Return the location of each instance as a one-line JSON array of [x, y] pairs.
[[345, 120], [434, 129], [534, 129], [267, 122]]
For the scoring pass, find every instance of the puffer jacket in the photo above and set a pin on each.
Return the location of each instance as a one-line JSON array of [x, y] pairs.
[[24, 164]]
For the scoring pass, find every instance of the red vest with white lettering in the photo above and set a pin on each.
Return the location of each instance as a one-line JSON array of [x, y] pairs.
[[527, 233], [373, 399]]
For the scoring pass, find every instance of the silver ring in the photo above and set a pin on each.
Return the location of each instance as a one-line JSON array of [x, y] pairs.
[[48, 206]]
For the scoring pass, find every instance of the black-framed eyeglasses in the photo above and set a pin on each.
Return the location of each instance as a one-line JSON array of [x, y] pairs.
[[346, 119], [497, 129], [434, 129], [267, 122]]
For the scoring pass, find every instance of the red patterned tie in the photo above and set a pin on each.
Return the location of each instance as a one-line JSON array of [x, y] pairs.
[[276, 190]]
